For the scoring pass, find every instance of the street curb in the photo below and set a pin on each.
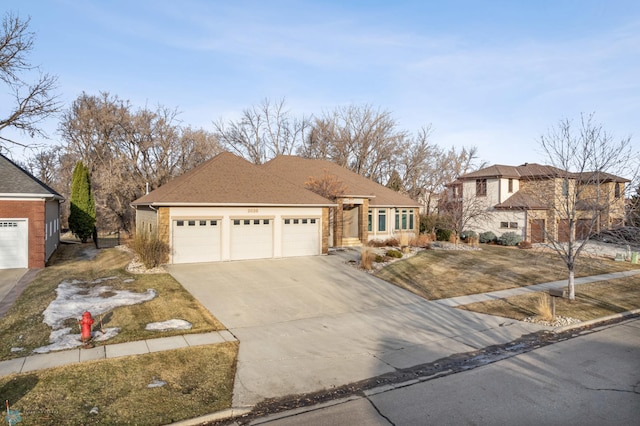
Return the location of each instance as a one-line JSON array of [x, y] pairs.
[[595, 321], [229, 413]]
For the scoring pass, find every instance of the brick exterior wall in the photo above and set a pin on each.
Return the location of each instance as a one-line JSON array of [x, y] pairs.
[[34, 211]]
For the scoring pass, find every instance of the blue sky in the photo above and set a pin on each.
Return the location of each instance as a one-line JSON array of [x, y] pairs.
[[494, 74]]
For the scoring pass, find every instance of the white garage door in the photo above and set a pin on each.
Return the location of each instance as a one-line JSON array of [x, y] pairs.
[[251, 239], [301, 237], [196, 240], [14, 244]]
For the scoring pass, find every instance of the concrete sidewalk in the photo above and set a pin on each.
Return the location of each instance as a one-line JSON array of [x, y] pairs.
[[59, 358], [501, 294]]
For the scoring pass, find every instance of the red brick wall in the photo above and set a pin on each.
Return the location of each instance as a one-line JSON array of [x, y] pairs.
[[35, 212]]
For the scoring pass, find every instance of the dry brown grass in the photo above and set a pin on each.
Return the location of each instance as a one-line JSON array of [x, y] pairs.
[[22, 326], [367, 256], [437, 274], [543, 307], [404, 239], [421, 240], [595, 300], [199, 381]]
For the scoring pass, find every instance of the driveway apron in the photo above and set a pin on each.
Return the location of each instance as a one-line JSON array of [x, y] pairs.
[[312, 323]]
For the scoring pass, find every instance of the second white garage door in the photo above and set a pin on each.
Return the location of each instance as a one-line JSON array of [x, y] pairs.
[[14, 241], [301, 237], [251, 239], [196, 240]]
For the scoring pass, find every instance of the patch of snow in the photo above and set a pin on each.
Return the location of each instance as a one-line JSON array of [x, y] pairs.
[[130, 280], [17, 349], [94, 411], [73, 298], [157, 383], [172, 324]]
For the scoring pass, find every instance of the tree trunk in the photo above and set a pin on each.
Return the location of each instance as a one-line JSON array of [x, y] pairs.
[[572, 286]]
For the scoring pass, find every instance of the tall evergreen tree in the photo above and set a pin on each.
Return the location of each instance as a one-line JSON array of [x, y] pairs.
[[82, 217]]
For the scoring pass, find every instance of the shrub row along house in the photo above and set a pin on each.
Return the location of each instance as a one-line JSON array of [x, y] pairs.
[[537, 201], [29, 218], [230, 209]]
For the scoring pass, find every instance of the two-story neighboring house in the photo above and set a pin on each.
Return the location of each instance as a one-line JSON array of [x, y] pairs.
[[538, 202]]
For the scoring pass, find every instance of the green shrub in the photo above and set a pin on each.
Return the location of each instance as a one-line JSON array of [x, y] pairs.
[[394, 253], [510, 239], [379, 259], [464, 235], [443, 234], [151, 251], [487, 237]]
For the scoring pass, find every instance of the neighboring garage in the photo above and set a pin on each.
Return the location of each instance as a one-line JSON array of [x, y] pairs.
[[14, 244], [29, 218]]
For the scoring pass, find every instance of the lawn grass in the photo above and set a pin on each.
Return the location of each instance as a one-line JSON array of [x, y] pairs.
[[22, 326], [199, 380], [438, 274], [595, 300]]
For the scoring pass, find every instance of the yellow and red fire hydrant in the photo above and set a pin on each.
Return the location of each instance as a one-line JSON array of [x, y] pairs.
[[85, 327]]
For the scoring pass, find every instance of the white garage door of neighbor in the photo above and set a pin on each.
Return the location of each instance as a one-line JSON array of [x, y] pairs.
[[14, 244], [301, 237], [251, 239], [196, 240]]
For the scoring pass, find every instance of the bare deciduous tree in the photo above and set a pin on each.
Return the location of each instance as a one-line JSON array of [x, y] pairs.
[[32, 101], [585, 193], [126, 149], [263, 132], [360, 138]]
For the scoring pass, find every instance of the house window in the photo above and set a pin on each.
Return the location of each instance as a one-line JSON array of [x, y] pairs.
[[213, 223], [382, 220], [397, 219], [617, 190], [513, 225], [565, 188], [192, 223], [369, 221], [481, 187], [296, 221], [247, 222], [287, 221], [410, 219], [256, 221], [504, 224], [313, 221], [404, 219], [203, 223], [510, 185], [305, 221], [265, 222], [236, 221], [180, 223]]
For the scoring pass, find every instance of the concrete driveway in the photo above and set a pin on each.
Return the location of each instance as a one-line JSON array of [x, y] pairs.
[[9, 279], [312, 323]]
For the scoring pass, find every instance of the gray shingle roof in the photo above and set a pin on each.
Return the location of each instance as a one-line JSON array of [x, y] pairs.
[[227, 179], [14, 180]]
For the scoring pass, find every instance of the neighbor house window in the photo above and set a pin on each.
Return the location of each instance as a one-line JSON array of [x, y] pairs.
[[510, 185], [565, 188], [369, 220], [504, 224], [382, 220], [617, 190], [513, 225], [481, 187]]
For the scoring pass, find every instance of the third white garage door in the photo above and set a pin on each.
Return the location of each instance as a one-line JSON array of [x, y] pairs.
[[301, 237], [196, 240], [251, 239]]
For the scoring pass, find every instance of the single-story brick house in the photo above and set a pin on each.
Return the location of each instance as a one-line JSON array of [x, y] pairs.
[[29, 218], [230, 209]]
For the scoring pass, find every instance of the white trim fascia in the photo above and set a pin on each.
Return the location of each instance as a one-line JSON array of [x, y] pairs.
[[357, 196], [231, 205], [29, 197]]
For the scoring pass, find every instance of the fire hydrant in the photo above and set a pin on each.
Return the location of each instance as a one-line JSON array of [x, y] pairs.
[[85, 327]]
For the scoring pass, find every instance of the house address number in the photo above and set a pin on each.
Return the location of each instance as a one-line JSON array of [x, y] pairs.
[[252, 210]]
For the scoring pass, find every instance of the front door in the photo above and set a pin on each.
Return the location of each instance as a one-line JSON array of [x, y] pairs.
[[537, 230]]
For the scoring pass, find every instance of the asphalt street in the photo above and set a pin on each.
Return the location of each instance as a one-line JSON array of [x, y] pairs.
[[591, 379]]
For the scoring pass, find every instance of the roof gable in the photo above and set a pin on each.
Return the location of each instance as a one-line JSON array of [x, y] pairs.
[[298, 170], [229, 179], [16, 181]]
